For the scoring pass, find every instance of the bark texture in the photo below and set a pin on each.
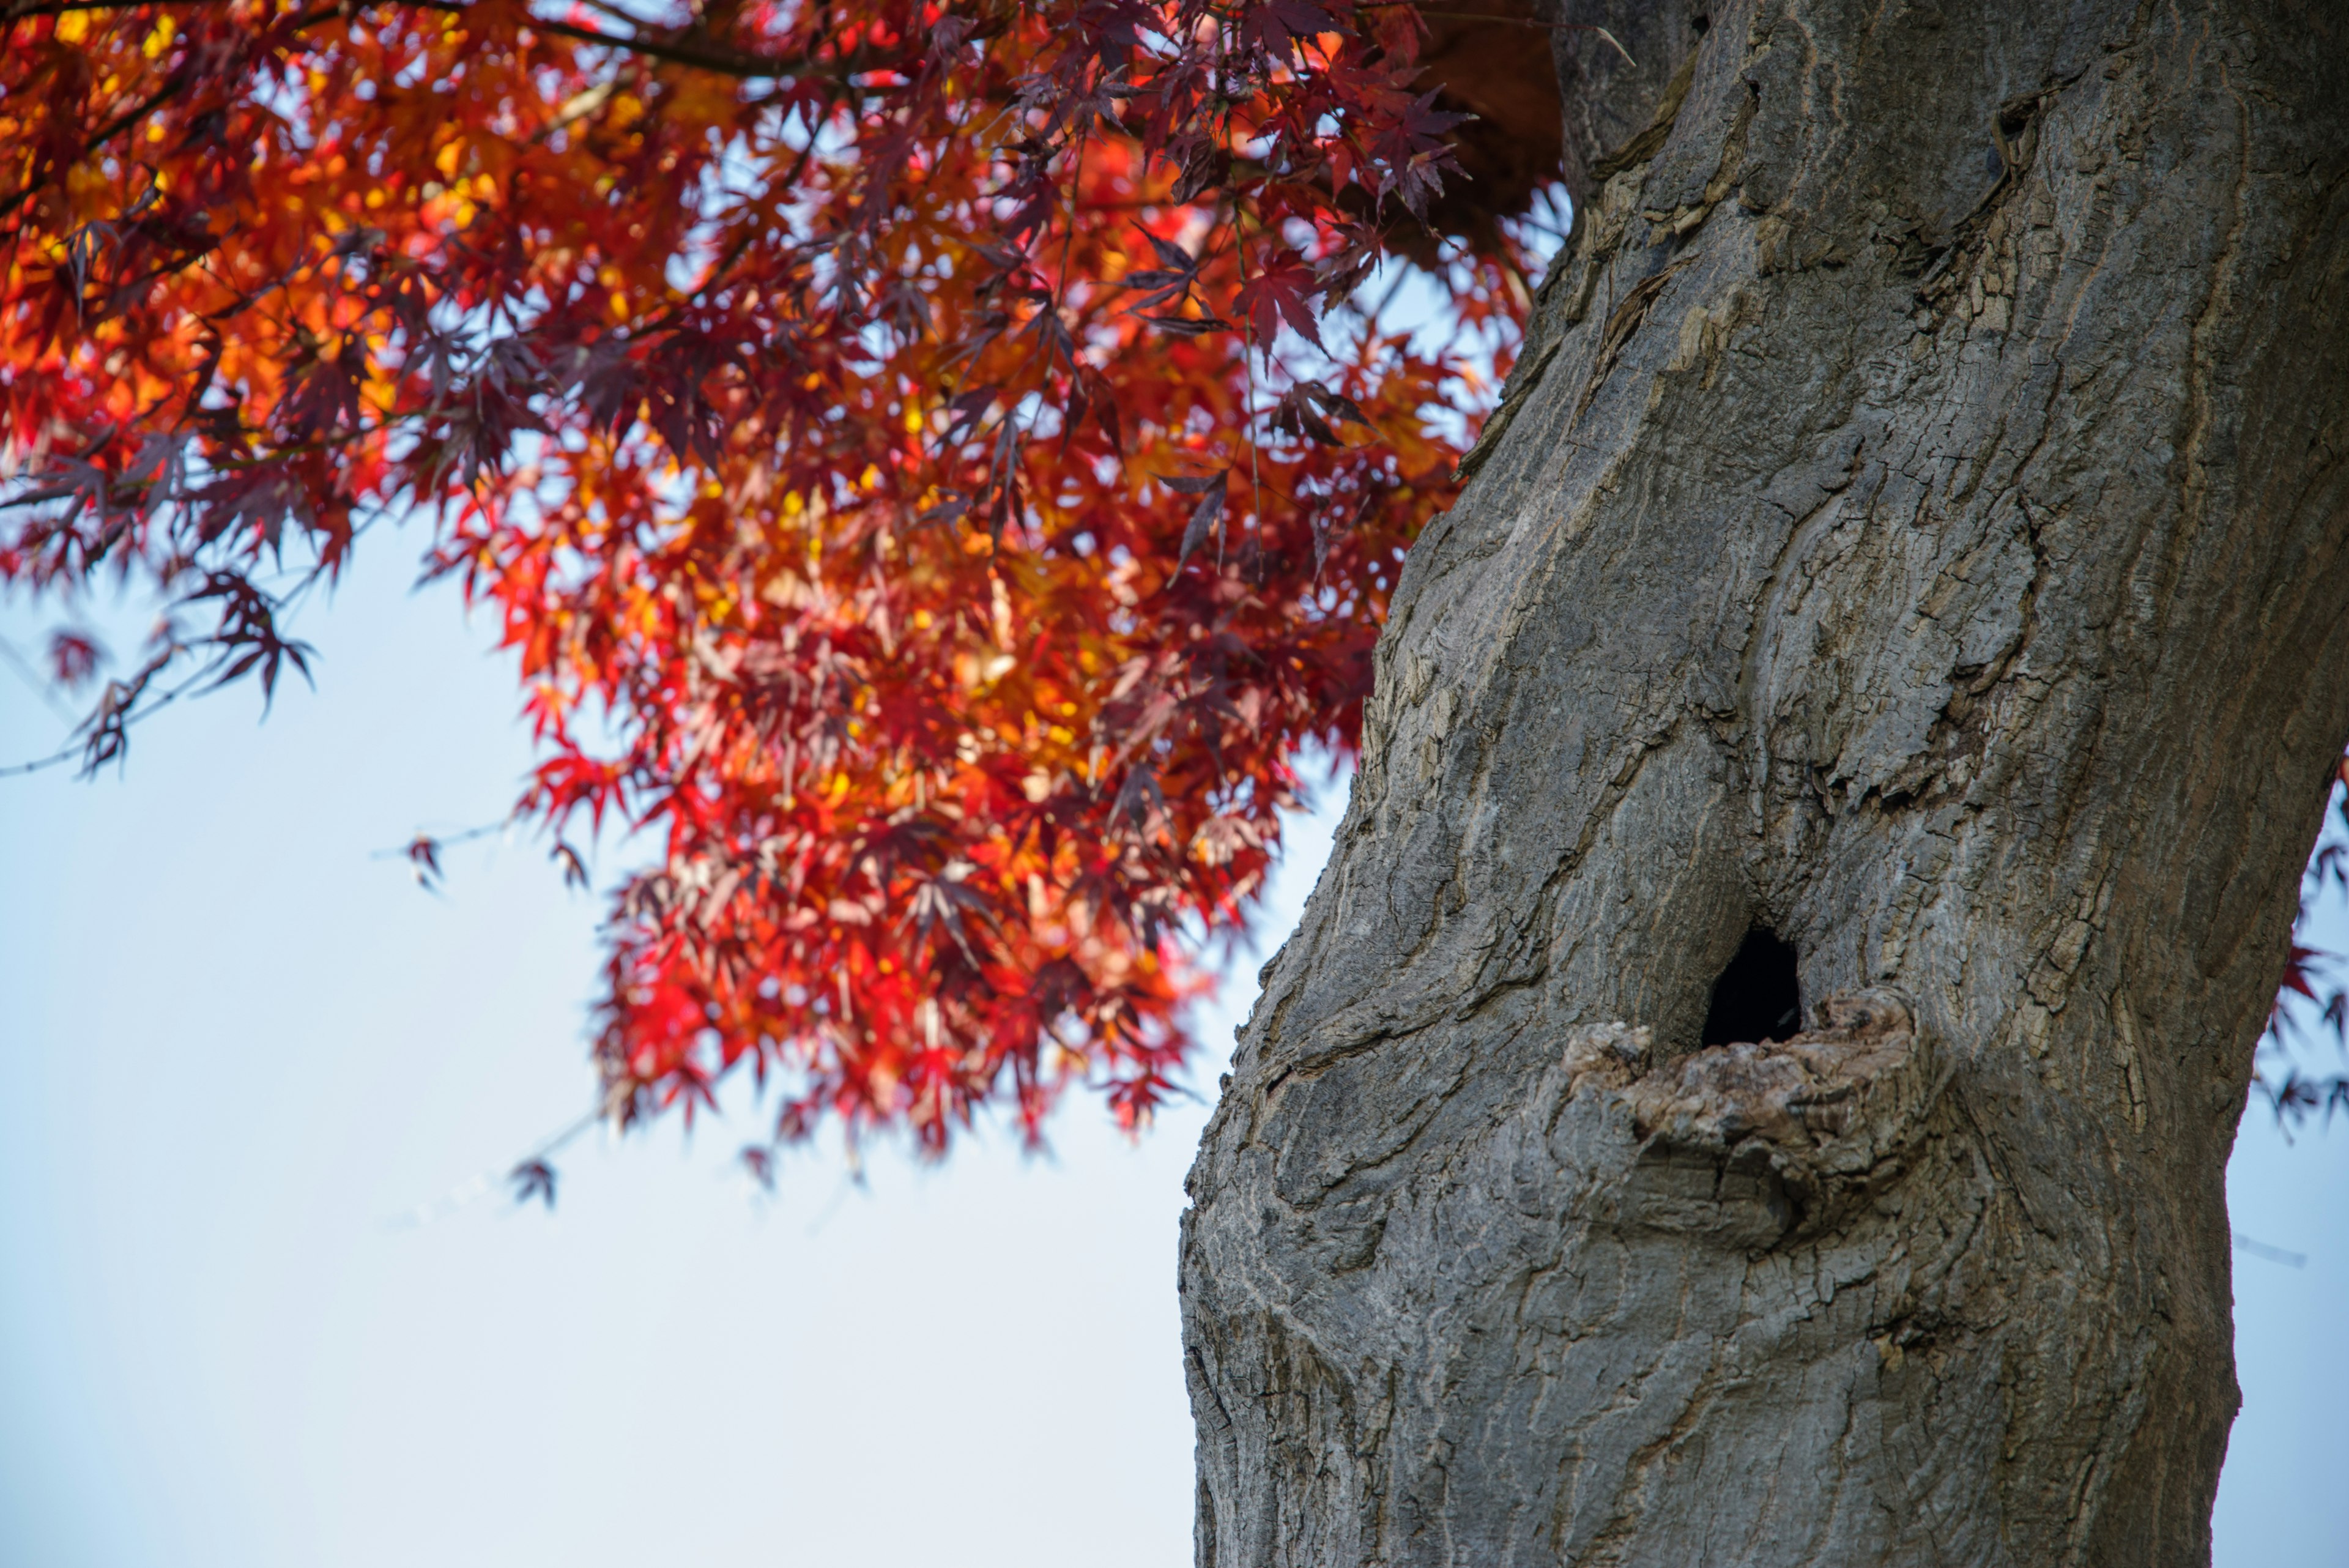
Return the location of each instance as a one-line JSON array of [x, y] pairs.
[[1916, 529]]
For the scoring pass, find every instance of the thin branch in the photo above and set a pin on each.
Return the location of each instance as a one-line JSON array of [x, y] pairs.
[[2272, 1254], [41, 688], [98, 140], [59, 7], [441, 841], [748, 68], [1613, 42], [68, 752], [480, 1187], [64, 754]]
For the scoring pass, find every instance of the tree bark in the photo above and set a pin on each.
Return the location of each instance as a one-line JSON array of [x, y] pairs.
[[1915, 530]]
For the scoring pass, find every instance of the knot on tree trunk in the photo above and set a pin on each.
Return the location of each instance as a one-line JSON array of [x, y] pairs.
[[1757, 1140]]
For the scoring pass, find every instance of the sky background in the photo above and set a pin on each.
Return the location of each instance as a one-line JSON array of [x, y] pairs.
[[238, 1046]]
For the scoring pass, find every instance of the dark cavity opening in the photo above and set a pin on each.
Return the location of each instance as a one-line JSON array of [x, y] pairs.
[[1758, 996]]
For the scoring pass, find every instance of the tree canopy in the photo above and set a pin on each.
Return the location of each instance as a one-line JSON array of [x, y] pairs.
[[928, 459]]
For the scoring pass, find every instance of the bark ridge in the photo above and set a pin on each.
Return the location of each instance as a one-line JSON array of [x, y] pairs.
[[1915, 531]]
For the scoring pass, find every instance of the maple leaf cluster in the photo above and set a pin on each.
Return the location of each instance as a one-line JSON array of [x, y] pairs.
[[924, 456], [2313, 1000]]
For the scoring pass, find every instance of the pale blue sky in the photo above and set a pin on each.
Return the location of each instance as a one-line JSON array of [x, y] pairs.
[[236, 1047]]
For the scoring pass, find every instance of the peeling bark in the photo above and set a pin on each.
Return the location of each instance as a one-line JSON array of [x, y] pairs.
[[1916, 530]]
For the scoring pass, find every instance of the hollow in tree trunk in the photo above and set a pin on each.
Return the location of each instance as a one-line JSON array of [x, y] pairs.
[[1902, 586]]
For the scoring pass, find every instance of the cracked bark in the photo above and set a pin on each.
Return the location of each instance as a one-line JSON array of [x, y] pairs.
[[1917, 532]]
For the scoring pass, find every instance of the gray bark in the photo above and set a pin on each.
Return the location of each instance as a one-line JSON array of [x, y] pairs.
[[1916, 529]]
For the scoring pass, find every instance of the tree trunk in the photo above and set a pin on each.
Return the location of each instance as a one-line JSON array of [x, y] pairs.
[[1915, 531]]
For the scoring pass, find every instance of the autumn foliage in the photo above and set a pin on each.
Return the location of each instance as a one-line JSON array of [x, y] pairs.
[[923, 454], [926, 457]]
